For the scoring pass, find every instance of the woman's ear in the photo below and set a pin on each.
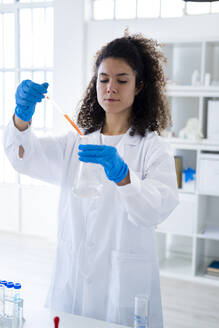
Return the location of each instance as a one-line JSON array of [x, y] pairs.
[[139, 88]]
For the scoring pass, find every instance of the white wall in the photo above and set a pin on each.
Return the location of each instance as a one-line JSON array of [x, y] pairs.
[[162, 29]]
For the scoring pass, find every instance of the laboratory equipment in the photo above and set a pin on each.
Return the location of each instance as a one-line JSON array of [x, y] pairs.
[[17, 292], [2, 301], [88, 182], [18, 307], [56, 106], [9, 296], [56, 322], [141, 311], [195, 78], [107, 156], [11, 305], [4, 282]]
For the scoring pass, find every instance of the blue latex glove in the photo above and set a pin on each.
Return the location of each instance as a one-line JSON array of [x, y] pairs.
[[115, 168], [27, 95]]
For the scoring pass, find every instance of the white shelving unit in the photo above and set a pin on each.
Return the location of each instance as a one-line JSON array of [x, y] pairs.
[[189, 239]]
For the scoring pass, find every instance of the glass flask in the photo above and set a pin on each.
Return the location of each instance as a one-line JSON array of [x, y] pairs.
[[88, 183]]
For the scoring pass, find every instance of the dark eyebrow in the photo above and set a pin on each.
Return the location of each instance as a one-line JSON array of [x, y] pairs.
[[120, 74]]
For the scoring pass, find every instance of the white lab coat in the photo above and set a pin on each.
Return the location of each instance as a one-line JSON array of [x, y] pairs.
[[106, 252]]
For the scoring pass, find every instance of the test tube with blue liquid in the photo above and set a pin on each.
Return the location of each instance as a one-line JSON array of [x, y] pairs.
[[141, 311]]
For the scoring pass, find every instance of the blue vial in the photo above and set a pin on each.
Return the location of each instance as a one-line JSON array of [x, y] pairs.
[[17, 291], [4, 282], [18, 306], [9, 299], [2, 301]]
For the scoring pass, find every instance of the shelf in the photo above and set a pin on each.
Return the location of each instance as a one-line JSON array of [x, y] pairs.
[[192, 91], [180, 267], [174, 233], [184, 192], [203, 278], [202, 145], [183, 144], [177, 235], [211, 232], [208, 194], [176, 265], [202, 275]]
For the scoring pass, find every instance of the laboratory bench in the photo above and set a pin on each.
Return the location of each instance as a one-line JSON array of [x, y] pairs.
[[44, 318]]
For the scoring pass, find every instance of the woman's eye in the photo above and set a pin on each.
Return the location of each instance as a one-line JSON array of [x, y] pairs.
[[119, 81]]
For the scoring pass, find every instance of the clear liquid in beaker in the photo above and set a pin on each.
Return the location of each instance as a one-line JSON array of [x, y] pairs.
[[88, 182]]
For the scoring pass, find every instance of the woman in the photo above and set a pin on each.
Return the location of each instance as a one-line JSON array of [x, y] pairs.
[[106, 250]]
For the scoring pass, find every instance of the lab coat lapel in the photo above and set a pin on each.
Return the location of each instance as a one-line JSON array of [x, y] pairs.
[[127, 141]]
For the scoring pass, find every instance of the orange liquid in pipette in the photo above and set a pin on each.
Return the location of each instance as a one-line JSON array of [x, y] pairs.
[[66, 116], [73, 124]]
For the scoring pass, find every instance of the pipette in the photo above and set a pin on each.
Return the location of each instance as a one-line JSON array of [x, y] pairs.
[[65, 115]]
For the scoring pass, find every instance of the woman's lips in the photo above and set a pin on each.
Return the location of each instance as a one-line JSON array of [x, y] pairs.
[[111, 100]]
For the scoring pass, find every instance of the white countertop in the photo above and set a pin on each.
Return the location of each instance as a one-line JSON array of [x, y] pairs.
[[43, 318]]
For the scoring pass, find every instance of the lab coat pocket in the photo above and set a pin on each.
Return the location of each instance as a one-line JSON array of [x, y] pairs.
[[130, 275]]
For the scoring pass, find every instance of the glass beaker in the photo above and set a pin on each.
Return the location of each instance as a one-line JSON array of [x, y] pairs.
[[88, 182], [141, 311]]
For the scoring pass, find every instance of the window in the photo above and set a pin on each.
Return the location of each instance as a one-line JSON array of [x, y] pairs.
[[103, 9], [214, 7], [194, 8], [145, 10], [131, 9], [125, 9], [170, 8], [26, 52]]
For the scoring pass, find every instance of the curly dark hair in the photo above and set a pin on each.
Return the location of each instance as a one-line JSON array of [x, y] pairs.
[[150, 110]]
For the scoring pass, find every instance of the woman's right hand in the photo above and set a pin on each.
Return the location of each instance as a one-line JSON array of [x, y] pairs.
[[27, 95]]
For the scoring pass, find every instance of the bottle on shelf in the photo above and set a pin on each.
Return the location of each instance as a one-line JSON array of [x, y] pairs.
[[195, 78]]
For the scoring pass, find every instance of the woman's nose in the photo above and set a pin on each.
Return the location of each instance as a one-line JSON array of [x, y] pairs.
[[111, 88]]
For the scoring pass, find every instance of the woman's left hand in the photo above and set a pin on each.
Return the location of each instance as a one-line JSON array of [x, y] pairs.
[[115, 168]]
